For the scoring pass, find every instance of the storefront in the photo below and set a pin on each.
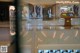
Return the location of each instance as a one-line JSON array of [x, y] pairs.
[[50, 27]]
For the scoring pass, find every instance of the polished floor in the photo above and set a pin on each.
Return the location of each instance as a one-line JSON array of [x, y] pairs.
[[5, 37], [49, 35], [46, 37], [39, 24]]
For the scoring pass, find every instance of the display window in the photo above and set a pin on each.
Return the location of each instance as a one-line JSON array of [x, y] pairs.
[[50, 26]]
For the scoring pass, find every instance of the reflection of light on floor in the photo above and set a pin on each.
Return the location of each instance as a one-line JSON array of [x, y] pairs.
[[54, 34], [66, 38], [39, 39], [43, 34], [76, 34], [61, 27], [61, 36], [25, 34], [29, 26], [50, 27], [40, 26], [29, 40]]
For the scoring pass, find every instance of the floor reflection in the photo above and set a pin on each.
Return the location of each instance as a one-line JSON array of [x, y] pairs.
[[39, 24]]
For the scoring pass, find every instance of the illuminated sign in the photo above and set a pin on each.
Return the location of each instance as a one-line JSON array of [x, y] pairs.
[[68, 2]]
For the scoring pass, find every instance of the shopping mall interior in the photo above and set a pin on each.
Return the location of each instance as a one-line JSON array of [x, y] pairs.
[[46, 26]]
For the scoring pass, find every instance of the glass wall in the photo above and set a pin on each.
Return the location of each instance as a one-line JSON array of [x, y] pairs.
[[55, 16], [49, 26]]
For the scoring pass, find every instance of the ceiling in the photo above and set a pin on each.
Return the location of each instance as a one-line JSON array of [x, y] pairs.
[[42, 2], [37, 2]]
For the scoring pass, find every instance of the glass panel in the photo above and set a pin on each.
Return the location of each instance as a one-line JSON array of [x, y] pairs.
[[65, 19], [49, 26]]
